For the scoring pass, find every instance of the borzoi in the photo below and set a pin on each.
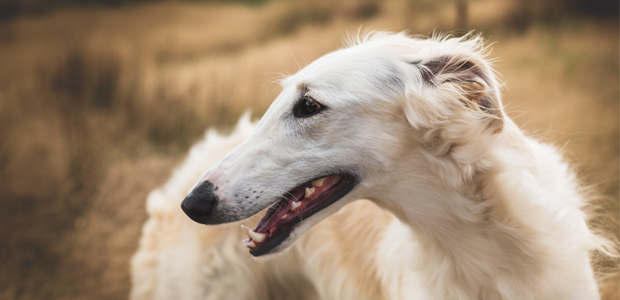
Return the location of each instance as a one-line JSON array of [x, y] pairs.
[[478, 210]]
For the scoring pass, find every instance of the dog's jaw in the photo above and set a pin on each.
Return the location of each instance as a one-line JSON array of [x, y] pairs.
[[292, 210]]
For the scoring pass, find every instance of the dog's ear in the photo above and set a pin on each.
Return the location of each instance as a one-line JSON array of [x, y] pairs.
[[470, 80]]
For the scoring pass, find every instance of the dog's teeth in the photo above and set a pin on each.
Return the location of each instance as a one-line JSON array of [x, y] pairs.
[[283, 216], [250, 245], [309, 191], [295, 204], [319, 182], [258, 237]]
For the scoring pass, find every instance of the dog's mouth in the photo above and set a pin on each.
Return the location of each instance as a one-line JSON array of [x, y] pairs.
[[298, 204]]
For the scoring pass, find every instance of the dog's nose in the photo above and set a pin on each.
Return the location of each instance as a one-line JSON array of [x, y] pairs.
[[199, 202]]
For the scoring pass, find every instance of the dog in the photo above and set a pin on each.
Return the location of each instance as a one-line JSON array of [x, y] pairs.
[[461, 204]]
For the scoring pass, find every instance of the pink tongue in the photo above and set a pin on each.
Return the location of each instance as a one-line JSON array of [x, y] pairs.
[[282, 207]]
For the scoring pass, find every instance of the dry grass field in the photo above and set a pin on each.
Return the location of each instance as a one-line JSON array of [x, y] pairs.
[[98, 104]]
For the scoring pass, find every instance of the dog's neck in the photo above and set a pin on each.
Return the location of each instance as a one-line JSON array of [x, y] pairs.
[[473, 237]]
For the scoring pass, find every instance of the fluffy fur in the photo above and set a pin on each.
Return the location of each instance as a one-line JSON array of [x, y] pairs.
[[462, 204]]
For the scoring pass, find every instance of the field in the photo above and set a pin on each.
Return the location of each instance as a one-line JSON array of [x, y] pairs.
[[97, 105]]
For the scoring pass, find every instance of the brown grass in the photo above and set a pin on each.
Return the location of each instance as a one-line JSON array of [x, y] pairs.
[[97, 105]]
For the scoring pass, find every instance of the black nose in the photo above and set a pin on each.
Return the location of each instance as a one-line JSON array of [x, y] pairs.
[[200, 202]]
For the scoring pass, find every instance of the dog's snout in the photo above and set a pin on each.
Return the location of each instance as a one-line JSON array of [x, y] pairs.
[[200, 202]]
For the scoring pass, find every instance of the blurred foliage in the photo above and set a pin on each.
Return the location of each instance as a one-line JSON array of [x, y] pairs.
[[549, 8], [89, 81], [321, 12], [552, 11], [299, 17], [14, 8]]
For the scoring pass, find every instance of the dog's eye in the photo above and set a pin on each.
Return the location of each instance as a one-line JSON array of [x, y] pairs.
[[307, 107]]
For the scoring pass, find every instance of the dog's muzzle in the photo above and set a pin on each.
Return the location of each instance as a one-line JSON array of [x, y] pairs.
[[199, 203]]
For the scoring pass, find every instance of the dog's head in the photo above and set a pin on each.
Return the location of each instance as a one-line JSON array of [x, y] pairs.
[[344, 127]]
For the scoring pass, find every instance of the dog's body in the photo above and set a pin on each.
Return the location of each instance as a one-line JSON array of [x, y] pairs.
[[477, 210]]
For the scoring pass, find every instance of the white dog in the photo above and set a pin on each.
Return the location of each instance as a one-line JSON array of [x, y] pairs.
[[478, 210]]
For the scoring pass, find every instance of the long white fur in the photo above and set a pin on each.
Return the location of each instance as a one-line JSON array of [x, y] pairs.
[[476, 213]]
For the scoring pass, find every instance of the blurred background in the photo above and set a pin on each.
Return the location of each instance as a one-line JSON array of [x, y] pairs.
[[100, 99]]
